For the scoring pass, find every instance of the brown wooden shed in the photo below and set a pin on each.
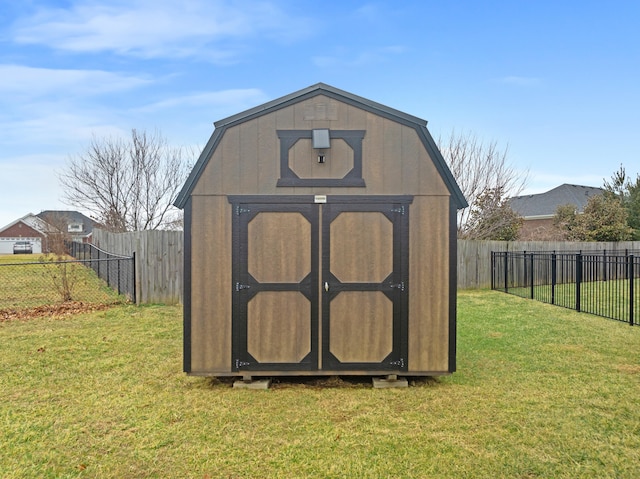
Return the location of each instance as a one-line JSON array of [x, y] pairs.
[[320, 239]]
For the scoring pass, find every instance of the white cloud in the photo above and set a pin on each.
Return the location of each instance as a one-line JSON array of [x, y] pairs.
[[346, 59], [237, 100], [158, 28], [29, 185], [34, 82]]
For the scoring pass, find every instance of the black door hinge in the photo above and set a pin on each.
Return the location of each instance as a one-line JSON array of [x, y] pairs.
[[240, 210], [398, 210], [399, 285], [240, 287], [399, 362], [240, 364]]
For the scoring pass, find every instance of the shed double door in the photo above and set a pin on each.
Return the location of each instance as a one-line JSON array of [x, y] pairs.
[[320, 287]]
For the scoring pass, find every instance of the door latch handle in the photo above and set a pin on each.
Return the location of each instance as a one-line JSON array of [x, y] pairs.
[[326, 286]]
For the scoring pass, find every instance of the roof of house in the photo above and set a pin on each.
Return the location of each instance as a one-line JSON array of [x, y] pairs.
[[39, 222], [30, 220], [546, 204], [70, 217], [337, 94]]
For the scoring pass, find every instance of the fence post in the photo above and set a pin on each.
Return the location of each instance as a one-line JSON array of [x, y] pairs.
[[631, 277], [553, 277], [506, 271], [531, 275], [133, 279], [578, 279], [493, 269]]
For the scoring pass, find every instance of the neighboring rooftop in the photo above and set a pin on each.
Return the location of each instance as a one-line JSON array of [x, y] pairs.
[[76, 222], [546, 204]]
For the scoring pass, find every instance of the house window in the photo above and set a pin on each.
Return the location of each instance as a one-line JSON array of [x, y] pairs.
[[74, 228]]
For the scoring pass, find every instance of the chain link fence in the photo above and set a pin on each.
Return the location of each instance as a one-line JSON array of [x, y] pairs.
[[89, 277]]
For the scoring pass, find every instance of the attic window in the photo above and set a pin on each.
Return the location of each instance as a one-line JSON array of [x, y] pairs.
[[74, 228]]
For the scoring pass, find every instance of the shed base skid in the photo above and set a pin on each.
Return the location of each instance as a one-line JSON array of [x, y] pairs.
[[391, 381], [264, 374], [252, 384]]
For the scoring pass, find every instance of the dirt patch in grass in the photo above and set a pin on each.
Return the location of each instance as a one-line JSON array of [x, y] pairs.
[[52, 310], [629, 368]]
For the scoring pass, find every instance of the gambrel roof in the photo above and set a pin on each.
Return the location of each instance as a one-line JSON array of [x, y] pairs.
[[418, 124]]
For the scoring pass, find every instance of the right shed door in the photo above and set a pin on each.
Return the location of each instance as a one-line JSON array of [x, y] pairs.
[[364, 285]]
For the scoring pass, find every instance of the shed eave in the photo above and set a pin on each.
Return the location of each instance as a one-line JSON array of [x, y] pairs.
[[192, 179], [442, 167], [319, 89]]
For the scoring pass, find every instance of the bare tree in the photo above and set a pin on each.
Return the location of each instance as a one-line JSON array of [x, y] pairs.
[[63, 273], [128, 185], [479, 168], [493, 219]]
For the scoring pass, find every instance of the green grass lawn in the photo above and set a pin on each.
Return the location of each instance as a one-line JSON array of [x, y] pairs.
[[540, 392], [610, 299]]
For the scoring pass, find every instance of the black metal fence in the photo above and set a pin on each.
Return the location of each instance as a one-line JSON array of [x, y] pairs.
[[94, 277], [601, 283], [119, 272]]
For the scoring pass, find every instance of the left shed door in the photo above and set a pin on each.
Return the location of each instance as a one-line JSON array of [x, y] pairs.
[[275, 290]]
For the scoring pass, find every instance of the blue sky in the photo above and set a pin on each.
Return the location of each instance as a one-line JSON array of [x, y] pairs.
[[558, 83]]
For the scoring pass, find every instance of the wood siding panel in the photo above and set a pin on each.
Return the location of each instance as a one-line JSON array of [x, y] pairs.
[[429, 284], [249, 160], [230, 166], [279, 327], [268, 155], [361, 326], [278, 247], [373, 164], [391, 156], [211, 285], [361, 247], [411, 161], [303, 160]]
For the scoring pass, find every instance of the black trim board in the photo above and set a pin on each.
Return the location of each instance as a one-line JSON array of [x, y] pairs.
[[288, 177], [301, 199], [198, 168], [453, 283], [186, 294]]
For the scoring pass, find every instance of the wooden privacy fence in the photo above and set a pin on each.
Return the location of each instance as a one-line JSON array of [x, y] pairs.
[[159, 269]]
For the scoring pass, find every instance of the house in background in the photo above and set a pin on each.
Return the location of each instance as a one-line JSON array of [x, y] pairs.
[[538, 210], [28, 228], [72, 223], [38, 228]]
